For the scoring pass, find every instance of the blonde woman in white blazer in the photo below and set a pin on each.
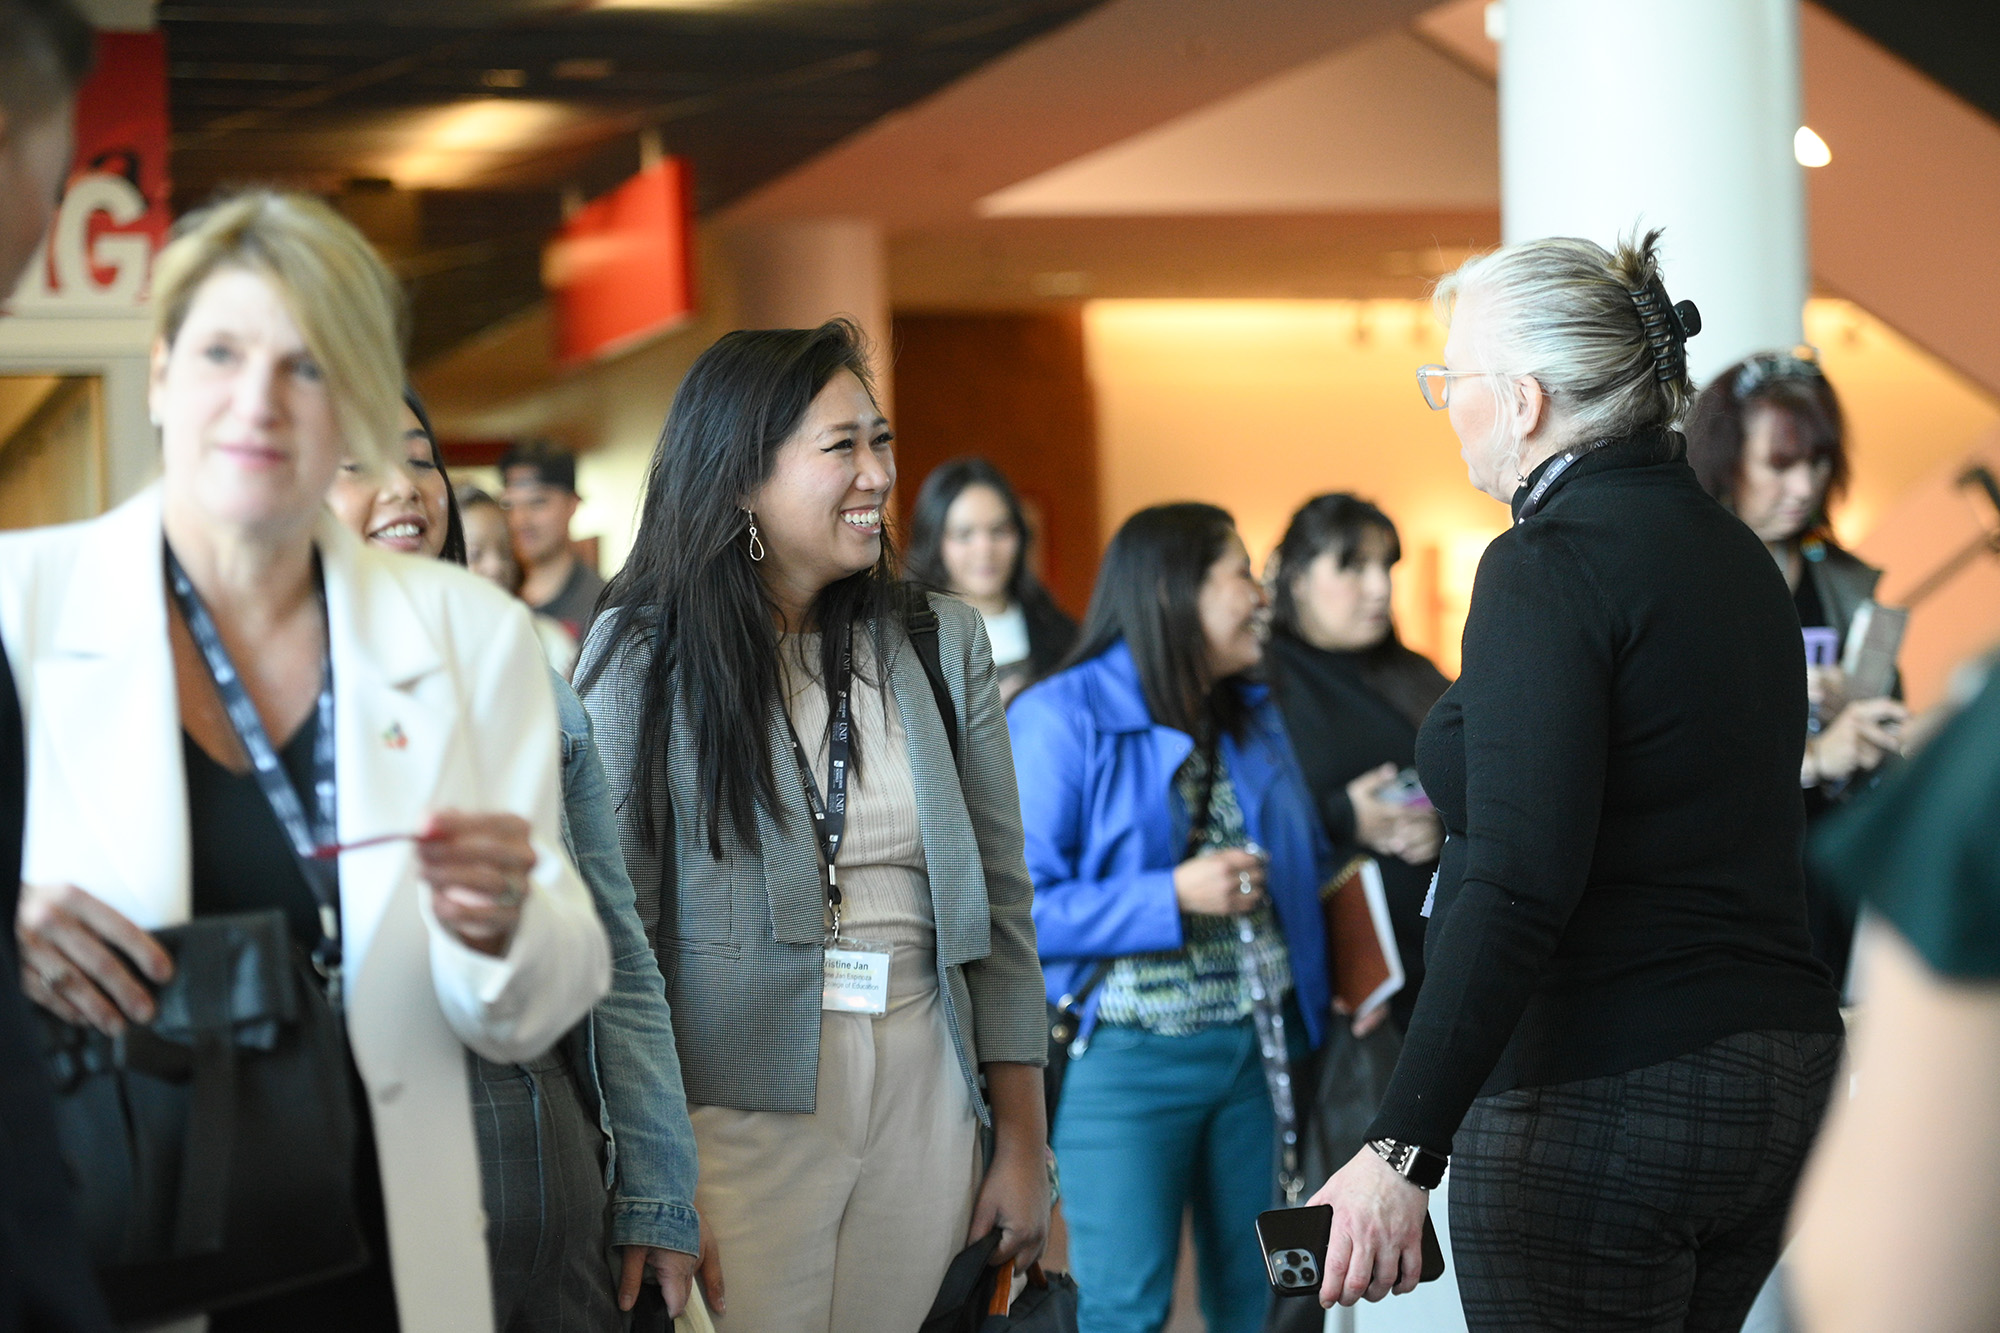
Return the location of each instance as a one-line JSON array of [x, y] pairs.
[[274, 360]]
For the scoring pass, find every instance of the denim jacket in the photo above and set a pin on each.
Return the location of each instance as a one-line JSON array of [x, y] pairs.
[[632, 1068]]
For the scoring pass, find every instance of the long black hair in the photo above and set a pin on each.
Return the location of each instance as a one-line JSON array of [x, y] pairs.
[[689, 596], [1335, 524], [454, 522], [923, 560], [1148, 593]]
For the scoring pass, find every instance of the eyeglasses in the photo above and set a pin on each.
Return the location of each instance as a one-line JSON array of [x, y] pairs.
[[1765, 368], [1434, 382]]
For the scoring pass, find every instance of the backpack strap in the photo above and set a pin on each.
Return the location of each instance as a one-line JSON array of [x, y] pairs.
[[921, 622]]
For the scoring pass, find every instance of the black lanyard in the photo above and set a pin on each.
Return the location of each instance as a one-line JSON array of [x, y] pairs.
[[1563, 462], [830, 814], [321, 874]]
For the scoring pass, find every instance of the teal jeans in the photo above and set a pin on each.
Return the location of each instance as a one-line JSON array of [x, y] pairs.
[[1148, 1126]]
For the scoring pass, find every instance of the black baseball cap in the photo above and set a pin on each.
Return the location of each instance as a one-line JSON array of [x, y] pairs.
[[550, 466]]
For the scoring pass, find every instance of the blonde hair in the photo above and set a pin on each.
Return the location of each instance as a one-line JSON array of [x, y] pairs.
[[1563, 311], [345, 301]]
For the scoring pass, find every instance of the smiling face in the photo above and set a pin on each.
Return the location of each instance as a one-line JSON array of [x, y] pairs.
[[1344, 607], [404, 506], [980, 544], [1231, 603], [247, 428], [1780, 488], [820, 513]]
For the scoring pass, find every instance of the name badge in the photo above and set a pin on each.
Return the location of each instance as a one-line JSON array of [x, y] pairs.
[[856, 978]]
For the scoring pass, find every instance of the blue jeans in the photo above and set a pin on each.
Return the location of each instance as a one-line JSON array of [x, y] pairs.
[[1149, 1125]]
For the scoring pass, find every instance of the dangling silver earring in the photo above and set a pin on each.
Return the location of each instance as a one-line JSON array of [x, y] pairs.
[[756, 543]]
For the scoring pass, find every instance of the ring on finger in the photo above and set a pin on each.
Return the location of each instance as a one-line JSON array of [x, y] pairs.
[[1243, 884]]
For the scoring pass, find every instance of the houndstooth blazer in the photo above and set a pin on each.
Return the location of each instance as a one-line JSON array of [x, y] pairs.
[[739, 940]]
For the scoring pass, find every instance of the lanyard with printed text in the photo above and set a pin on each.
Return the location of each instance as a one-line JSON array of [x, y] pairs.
[[306, 838], [830, 814], [1562, 463]]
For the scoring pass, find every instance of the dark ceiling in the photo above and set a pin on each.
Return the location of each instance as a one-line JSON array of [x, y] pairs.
[[1957, 43], [339, 99]]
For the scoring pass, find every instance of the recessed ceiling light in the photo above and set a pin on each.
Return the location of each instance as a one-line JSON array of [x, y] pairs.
[[449, 146], [1810, 149]]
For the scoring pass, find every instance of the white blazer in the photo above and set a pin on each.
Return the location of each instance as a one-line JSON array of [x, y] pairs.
[[441, 699]]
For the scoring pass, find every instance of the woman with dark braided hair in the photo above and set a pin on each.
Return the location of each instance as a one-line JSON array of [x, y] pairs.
[[1623, 1044]]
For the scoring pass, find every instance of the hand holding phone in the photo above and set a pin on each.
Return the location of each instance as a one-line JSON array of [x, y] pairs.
[[1293, 1242]]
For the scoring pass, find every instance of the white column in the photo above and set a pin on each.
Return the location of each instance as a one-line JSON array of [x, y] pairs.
[[1674, 113], [800, 273]]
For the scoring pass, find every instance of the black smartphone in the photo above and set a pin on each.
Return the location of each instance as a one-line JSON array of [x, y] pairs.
[[1293, 1241]]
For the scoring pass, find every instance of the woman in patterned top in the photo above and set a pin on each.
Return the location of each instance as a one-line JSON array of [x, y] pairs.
[[1176, 860]]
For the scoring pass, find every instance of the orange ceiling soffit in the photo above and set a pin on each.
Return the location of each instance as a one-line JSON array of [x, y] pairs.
[[622, 268]]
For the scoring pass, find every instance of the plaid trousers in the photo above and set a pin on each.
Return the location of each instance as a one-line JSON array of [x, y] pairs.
[[541, 1167], [1652, 1200]]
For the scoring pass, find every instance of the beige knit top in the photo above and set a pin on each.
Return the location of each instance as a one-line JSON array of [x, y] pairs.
[[884, 881]]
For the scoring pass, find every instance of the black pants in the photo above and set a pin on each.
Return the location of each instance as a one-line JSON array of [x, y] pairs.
[[1650, 1200]]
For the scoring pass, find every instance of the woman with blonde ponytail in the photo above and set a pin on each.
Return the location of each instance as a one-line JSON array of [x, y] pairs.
[[1623, 1045]]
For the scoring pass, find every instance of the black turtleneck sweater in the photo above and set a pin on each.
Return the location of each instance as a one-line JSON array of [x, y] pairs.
[[1343, 723], [1617, 767]]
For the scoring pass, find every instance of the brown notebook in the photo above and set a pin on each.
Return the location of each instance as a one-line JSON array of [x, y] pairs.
[[1365, 968]]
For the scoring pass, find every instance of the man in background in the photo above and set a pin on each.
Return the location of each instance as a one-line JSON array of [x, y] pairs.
[[45, 51], [540, 492]]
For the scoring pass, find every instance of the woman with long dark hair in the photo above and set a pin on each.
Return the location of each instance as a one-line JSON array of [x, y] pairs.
[[969, 537], [1767, 439], [1353, 697], [1177, 862], [608, 1094], [829, 865]]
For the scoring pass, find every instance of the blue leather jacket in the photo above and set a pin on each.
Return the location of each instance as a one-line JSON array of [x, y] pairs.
[[629, 1064], [1104, 832]]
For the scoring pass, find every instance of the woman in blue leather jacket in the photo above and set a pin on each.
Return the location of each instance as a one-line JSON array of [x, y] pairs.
[[1176, 860]]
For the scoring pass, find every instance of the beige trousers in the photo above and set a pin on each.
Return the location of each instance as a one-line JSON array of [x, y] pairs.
[[843, 1221]]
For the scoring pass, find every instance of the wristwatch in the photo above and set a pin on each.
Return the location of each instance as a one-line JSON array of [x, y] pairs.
[[1420, 1166]]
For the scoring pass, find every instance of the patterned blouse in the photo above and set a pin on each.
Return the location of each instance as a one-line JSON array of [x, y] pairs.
[[1202, 984]]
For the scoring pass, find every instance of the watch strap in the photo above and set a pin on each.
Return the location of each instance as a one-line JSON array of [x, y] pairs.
[[1413, 1162]]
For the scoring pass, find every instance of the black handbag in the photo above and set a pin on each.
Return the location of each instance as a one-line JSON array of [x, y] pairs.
[[972, 1297], [213, 1149]]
